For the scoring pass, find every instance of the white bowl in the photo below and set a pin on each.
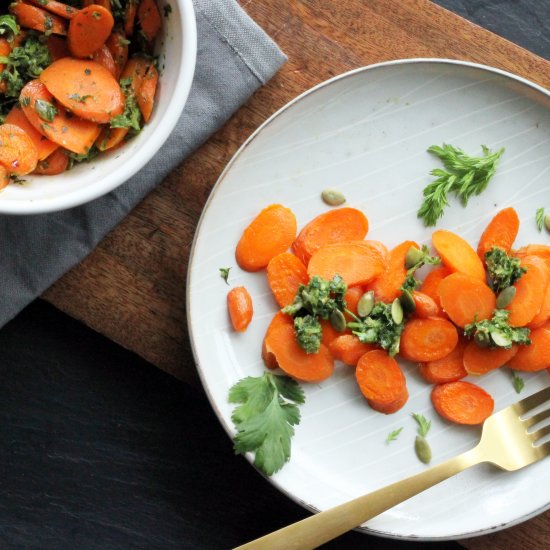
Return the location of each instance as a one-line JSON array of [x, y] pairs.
[[87, 181]]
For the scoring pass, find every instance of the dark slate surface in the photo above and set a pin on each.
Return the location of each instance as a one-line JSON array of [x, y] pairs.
[[101, 450]]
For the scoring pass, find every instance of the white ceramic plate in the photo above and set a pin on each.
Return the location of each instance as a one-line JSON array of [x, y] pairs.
[[366, 133]]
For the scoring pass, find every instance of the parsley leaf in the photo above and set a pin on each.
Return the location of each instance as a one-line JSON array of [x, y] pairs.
[[497, 332], [131, 117], [392, 436], [8, 27], [224, 274], [414, 260], [265, 418], [503, 270], [309, 332], [518, 382], [424, 425], [464, 176], [539, 218]]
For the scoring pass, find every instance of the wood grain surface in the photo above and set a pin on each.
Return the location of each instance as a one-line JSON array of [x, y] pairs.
[[132, 287]]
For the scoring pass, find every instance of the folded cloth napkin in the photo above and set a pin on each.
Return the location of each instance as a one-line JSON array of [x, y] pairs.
[[235, 57]]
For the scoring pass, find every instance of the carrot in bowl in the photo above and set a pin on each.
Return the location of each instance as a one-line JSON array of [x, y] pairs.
[[17, 151], [462, 402], [89, 29], [55, 164], [59, 8], [38, 19]]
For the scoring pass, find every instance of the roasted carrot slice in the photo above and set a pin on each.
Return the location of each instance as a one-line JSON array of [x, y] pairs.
[[544, 314], [381, 381], [86, 88], [17, 151], [70, 132], [293, 360], [118, 46], [348, 349], [55, 164], [540, 250], [103, 3], [447, 369], [58, 47], [239, 305], [4, 177], [89, 30], [462, 402], [457, 254], [279, 319], [425, 306], [478, 361], [335, 226], [466, 299], [38, 19], [428, 339], [270, 233], [352, 297], [109, 138], [501, 231], [130, 17], [285, 274], [149, 19], [104, 57], [63, 10], [387, 287], [357, 262], [530, 292], [431, 282], [5, 50], [145, 95], [536, 356]]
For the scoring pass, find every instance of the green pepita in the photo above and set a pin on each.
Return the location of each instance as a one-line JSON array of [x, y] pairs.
[[547, 222], [337, 320], [505, 297], [365, 304], [422, 449], [482, 339], [500, 339], [407, 302], [414, 255], [333, 197], [397, 312]]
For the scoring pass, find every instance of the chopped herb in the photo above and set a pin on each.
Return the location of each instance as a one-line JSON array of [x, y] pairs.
[[224, 274], [9, 28], [96, 15], [392, 436], [497, 332], [25, 101], [75, 158], [503, 270], [464, 176], [88, 72], [518, 382], [414, 260], [79, 98], [309, 332], [48, 25], [539, 218], [264, 419], [45, 110], [131, 117], [167, 10], [424, 425]]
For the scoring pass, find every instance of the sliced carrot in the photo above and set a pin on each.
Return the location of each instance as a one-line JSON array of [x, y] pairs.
[[84, 87], [55, 164], [462, 402], [285, 274], [293, 360], [89, 30], [104, 57], [239, 305], [425, 306], [540, 250], [38, 19], [58, 47], [501, 231], [63, 10], [536, 356], [335, 226], [145, 96], [478, 361], [352, 297], [330, 333], [118, 46], [387, 287], [447, 369], [279, 319], [149, 19], [103, 3], [348, 349], [4, 177], [457, 254], [428, 339], [5, 50], [270, 233], [381, 381], [466, 299], [44, 147], [544, 314], [431, 282], [109, 138], [530, 292], [17, 151], [130, 17], [357, 262], [70, 132]]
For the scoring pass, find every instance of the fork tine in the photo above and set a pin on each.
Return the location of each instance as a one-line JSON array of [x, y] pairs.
[[543, 450], [529, 403], [537, 418], [539, 434]]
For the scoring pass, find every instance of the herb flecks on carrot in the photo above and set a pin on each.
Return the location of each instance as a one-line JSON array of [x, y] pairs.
[[17, 151], [88, 30]]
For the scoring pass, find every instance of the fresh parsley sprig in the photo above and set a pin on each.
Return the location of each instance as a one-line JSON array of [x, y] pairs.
[[503, 270], [464, 176], [264, 418], [393, 435]]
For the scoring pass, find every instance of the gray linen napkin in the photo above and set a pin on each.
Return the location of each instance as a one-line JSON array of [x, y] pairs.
[[234, 58]]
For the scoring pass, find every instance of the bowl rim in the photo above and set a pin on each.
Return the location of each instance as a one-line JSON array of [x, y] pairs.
[[126, 170]]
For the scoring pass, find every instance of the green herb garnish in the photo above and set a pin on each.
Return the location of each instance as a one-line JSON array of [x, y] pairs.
[[224, 274], [131, 117], [464, 176], [45, 110], [392, 436], [503, 270], [539, 218], [414, 260], [264, 419], [424, 424], [497, 332], [8, 27], [309, 333], [518, 382], [79, 98]]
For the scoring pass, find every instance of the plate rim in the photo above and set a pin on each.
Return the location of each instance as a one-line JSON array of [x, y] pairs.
[[226, 426]]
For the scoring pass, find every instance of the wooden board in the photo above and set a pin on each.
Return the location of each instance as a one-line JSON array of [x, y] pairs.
[[132, 287]]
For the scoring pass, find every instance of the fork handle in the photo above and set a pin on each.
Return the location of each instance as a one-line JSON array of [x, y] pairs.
[[325, 526]]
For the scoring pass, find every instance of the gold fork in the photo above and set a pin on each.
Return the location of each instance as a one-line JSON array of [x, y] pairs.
[[505, 442]]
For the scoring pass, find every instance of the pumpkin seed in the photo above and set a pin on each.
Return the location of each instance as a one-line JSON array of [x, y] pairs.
[[500, 339], [333, 197], [547, 222], [337, 320], [407, 301], [422, 449], [365, 304], [413, 256], [397, 312], [505, 297], [482, 339]]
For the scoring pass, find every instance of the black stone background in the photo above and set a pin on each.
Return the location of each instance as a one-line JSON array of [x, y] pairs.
[[100, 450]]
